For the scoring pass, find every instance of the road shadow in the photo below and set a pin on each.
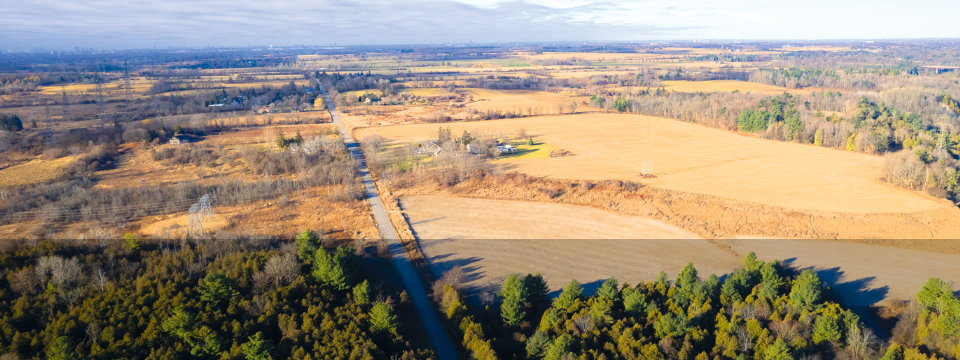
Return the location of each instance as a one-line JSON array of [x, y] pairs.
[[589, 288]]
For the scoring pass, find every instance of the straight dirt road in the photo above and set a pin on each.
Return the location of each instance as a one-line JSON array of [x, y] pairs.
[[441, 342]]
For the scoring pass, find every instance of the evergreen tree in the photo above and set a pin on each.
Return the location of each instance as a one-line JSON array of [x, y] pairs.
[[600, 312], [778, 351], [806, 289], [825, 329], [307, 244], [514, 288], [537, 344], [281, 141], [179, 324], [621, 104], [932, 291], [256, 348], [818, 137], [571, 292], [512, 311], [382, 318], [851, 146], [61, 349], [204, 343], [329, 271], [361, 293], [559, 348], [634, 301], [609, 290], [537, 289], [298, 139], [216, 288]]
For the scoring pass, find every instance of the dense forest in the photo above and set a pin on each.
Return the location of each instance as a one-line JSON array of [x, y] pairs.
[[761, 311], [223, 298]]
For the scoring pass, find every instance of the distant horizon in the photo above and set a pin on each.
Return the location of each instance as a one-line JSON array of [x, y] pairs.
[[68, 48], [111, 24]]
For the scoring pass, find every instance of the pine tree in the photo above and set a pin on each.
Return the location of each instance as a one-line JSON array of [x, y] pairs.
[[537, 289], [256, 348], [634, 301], [328, 270], [514, 288], [600, 312], [281, 141], [361, 293], [61, 349], [298, 139], [778, 351], [825, 329], [559, 348], [216, 288], [382, 318], [806, 289], [608, 290], [307, 244], [571, 292], [512, 311], [537, 344], [179, 324]]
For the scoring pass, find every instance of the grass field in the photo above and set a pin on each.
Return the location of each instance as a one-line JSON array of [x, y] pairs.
[[697, 159], [36, 171], [728, 86]]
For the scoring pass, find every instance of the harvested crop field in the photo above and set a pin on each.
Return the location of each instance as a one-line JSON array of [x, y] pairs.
[[697, 159], [521, 101], [432, 219], [532, 237], [36, 171], [728, 86]]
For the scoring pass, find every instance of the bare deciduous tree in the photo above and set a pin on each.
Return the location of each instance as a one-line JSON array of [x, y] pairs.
[[282, 268], [93, 331], [583, 323], [744, 340], [25, 281]]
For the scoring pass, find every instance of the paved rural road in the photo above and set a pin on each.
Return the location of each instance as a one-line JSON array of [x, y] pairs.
[[441, 343]]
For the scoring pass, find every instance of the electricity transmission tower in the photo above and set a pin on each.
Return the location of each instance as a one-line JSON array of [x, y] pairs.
[[205, 209], [126, 80], [65, 103], [99, 83], [195, 217], [942, 140]]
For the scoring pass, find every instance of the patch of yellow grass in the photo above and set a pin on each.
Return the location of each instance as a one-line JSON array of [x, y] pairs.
[[539, 150], [425, 91], [36, 172], [355, 94]]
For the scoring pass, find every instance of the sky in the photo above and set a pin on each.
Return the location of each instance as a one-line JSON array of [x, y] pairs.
[[114, 24]]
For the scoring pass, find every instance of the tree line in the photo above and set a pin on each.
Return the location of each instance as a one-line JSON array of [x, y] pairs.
[[224, 298]]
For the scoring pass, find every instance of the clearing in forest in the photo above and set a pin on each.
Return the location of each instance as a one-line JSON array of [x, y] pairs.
[[697, 159], [525, 102]]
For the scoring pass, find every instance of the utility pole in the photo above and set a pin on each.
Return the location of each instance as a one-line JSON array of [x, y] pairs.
[[64, 103]]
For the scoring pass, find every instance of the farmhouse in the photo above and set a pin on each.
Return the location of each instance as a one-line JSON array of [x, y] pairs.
[[428, 147], [179, 139]]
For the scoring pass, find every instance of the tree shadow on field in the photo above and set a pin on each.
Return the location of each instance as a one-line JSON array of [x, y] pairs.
[[856, 294], [589, 288]]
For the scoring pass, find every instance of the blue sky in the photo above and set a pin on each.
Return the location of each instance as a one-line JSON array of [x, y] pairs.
[[112, 24]]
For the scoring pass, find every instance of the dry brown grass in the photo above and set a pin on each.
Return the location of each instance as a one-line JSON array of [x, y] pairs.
[[697, 159], [521, 101], [729, 86], [36, 172]]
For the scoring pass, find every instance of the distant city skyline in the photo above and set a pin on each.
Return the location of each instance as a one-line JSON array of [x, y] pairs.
[[110, 24]]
